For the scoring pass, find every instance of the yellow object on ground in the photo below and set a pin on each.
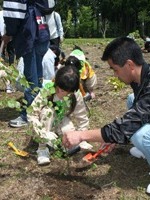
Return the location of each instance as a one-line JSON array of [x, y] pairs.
[[17, 151]]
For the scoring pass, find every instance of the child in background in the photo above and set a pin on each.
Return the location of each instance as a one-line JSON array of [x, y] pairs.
[[51, 111], [87, 75], [49, 64]]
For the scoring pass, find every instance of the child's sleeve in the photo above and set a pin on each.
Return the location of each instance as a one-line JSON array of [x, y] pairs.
[[80, 113]]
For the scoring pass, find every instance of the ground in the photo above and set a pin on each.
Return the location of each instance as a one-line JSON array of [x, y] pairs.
[[117, 176]]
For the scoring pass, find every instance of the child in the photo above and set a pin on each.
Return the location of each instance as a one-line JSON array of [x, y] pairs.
[[51, 110], [87, 74], [49, 64]]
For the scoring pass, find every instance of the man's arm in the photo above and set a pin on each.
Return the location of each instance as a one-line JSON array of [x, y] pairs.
[[73, 138]]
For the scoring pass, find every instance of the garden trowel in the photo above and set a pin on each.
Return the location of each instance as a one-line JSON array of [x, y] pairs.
[[91, 157], [17, 151]]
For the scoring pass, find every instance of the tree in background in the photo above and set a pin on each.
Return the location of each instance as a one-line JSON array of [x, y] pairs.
[[85, 22], [68, 24], [106, 18], [104, 25]]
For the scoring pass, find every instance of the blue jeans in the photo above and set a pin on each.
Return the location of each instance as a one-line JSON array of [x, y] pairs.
[[33, 72], [141, 138]]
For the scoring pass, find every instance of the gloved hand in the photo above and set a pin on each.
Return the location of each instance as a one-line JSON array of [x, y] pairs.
[[87, 97], [50, 137], [85, 145]]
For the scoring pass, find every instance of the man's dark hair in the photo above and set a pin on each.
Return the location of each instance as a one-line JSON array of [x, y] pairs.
[[67, 78], [121, 49], [73, 61]]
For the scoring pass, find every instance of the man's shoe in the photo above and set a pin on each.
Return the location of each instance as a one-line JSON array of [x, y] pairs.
[[136, 153], [43, 156], [18, 122]]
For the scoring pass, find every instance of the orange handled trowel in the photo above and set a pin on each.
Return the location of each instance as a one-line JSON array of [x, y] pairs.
[[17, 151], [91, 157]]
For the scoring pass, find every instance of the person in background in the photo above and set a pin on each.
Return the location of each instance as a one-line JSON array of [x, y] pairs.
[[8, 49], [49, 64], [57, 52], [146, 44], [51, 112], [87, 75], [124, 56], [54, 22], [55, 28], [30, 42]]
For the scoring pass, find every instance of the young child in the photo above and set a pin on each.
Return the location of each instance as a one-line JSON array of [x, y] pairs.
[[87, 75], [49, 64], [51, 110]]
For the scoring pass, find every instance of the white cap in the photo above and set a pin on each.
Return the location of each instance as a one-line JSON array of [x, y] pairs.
[[78, 54]]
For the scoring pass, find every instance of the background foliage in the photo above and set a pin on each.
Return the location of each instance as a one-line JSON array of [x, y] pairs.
[[103, 18]]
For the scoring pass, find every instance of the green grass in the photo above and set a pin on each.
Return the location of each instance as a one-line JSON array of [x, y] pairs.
[[93, 41], [89, 41]]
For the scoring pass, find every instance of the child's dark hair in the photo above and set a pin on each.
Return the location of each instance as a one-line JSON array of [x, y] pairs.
[[68, 78], [73, 61], [57, 52]]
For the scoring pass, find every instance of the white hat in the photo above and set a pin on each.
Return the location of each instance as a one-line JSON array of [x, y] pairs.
[[78, 54]]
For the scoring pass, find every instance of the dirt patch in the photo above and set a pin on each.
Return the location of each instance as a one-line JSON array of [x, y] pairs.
[[115, 176]]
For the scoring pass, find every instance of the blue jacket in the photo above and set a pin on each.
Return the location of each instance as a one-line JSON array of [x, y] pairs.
[[25, 23]]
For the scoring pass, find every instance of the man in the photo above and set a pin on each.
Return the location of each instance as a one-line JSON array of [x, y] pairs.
[[27, 26], [125, 58]]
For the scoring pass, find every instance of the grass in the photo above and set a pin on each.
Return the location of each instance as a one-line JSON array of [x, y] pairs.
[[86, 41]]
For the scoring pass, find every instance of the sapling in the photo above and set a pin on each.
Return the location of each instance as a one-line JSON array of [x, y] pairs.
[[117, 84]]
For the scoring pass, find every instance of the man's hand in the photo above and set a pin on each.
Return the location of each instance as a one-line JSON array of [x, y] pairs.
[[71, 138]]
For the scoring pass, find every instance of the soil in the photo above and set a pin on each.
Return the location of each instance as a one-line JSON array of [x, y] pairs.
[[116, 175]]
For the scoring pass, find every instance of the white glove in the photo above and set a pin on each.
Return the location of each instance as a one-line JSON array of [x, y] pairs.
[[85, 145], [50, 137]]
